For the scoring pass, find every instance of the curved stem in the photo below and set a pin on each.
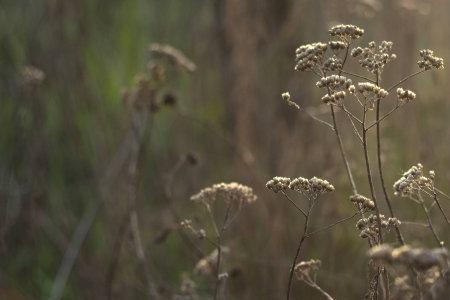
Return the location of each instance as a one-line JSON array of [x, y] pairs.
[[404, 79]]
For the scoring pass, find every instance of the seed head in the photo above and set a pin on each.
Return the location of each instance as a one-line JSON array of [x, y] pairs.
[[429, 60], [346, 32], [277, 184], [308, 56], [405, 95], [229, 192]]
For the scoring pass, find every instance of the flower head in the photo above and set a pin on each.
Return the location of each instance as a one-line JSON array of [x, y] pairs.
[[429, 60], [229, 192]]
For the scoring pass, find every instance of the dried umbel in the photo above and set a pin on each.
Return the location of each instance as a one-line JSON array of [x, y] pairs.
[[187, 225], [334, 98], [405, 95], [362, 201], [307, 57], [373, 57], [287, 98], [337, 45], [334, 82], [412, 181], [312, 188], [307, 269], [346, 32], [277, 184], [207, 265], [370, 90], [369, 226], [429, 60], [418, 258], [333, 63], [231, 193], [174, 55]]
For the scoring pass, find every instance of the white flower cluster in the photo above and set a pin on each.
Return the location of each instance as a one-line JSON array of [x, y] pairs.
[[308, 56], [346, 32], [229, 192], [307, 269], [429, 60], [277, 184], [370, 90], [405, 95], [362, 201], [374, 58], [418, 258], [413, 181]]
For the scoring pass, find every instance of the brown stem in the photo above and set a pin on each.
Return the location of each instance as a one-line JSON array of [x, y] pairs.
[[297, 254], [219, 252], [440, 207], [380, 172], [430, 224]]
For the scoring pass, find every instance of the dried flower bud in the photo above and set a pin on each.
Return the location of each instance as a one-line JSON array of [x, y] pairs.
[[346, 32], [429, 61], [229, 192], [309, 56], [277, 184], [287, 98], [405, 95]]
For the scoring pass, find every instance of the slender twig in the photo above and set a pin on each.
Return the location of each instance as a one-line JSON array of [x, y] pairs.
[[430, 224], [397, 106], [293, 203], [440, 207], [369, 175], [404, 79], [331, 225], [358, 76], [318, 288], [219, 251], [297, 254], [380, 172]]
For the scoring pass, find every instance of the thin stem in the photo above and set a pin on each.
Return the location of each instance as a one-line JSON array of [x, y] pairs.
[[342, 151], [316, 118], [302, 239], [350, 114], [293, 203], [404, 79], [384, 116], [430, 224], [440, 207], [358, 76], [380, 172], [219, 251], [369, 176], [331, 225], [318, 288]]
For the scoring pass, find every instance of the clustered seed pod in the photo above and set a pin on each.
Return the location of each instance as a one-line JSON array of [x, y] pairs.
[[412, 181], [337, 45], [334, 98], [311, 187], [368, 90], [362, 201], [405, 95], [277, 184], [369, 226], [429, 61], [287, 98], [374, 58], [229, 192], [333, 63], [346, 32], [307, 269], [333, 82], [309, 56], [418, 258]]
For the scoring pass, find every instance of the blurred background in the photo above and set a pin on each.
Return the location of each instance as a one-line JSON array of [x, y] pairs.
[[65, 67]]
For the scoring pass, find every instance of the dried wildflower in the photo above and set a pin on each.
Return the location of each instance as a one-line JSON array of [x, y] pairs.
[[371, 91], [277, 184], [334, 82], [174, 55], [32, 75], [381, 253], [412, 181], [334, 98], [351, 89], [346, 32], [207, 265], [312, 188], [420, 258], [287, 98], [362, 201], [187, 224], [369, 226], [374, 58], [405, 95], [229, 192], [337, 45], [307, 269], [307, 57], [429, 61], [332, 63]]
